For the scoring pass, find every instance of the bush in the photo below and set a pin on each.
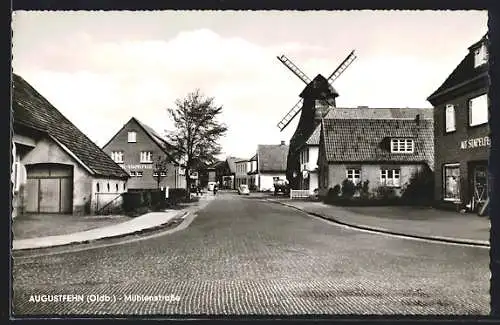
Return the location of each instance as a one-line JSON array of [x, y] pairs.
[[348, 189], [132, 201], [420, 188], [333, 194], [386, 193], [363, 189]]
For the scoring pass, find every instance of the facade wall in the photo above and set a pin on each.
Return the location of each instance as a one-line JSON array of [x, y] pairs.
[[47, 151], [266, 180], [370, 172], [132, 163], [212, 177], [465, 146], [241, 175], [309, 182], [107, 194]]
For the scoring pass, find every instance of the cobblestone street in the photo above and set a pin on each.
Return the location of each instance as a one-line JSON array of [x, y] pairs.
[[247, 256]]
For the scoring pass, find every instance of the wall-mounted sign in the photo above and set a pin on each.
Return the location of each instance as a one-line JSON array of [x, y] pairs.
[[475, 143], [139, 166], [194, 175]]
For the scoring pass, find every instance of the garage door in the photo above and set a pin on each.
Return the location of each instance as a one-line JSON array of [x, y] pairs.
[[49, 188]]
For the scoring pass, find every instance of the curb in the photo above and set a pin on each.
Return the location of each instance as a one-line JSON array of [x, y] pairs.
[[478, 243], [178, 217]]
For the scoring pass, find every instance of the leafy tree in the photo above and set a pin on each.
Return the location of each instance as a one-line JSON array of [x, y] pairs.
[[160, 170], [197, 133]]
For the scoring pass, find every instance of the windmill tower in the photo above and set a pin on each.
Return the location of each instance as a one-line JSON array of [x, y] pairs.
[[316, 99]]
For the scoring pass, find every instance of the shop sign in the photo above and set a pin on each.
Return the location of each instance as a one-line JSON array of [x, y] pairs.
[[475, 143]]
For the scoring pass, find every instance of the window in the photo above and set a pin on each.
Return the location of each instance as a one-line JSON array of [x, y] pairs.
[[108, 187], [124, 186], [480, 56], [451, 186], [138, 174], [97, 187], [354, 175], [478, 110], [390, 177], [132, 137], [450, 125], [155, 174], [402, 145], [146, 157], [117, 156], [117, 187], [132, 173], [163, 174]]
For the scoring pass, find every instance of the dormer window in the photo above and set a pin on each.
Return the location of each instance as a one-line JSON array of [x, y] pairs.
[[402, 146], [480, 55]]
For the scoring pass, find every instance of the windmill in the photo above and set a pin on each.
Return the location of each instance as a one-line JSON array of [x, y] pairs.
[[316, 99]]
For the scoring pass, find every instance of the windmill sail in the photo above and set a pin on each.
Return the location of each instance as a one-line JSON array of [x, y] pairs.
[[289, 64], [341, 68], [290, 115]]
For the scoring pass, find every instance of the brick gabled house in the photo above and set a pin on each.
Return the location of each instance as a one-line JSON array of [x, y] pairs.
[[136, 147], [57, 168], [461, 133], [382, 146]]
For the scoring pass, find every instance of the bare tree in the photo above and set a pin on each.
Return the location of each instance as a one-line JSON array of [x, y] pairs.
[[198, 131]]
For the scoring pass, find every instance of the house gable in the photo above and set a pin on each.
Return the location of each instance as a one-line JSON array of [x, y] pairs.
[[145, 141], [32, 110]]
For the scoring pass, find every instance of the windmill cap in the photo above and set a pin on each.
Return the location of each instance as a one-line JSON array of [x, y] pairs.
[[319, 88]]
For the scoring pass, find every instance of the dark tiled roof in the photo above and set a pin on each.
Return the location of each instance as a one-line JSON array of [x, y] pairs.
[[359, 140], [160, 141], [272, 157], [231, 161], [465, 71], [379, 113], [314, 138], [32, 109]]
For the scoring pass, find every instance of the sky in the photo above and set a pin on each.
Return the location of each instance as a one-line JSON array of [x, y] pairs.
[[101, 68]]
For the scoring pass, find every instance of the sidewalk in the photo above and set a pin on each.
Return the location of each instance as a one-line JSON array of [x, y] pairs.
[[414, 222], [145, 222]]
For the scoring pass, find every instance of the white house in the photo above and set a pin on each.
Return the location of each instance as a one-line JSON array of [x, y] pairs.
[[270, 165], [57, 168], [308, 158]]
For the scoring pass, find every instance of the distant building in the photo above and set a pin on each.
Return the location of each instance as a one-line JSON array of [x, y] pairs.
[[461, 133], [136, 147], [224, 173], [57, 168], [271, 163], [242, 169], [382, 146], [253, 174]]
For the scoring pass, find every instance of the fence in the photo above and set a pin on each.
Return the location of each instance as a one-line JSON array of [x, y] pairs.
[[297, 194]]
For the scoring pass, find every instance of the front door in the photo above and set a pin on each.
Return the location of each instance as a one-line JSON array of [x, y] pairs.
[[479, 186]]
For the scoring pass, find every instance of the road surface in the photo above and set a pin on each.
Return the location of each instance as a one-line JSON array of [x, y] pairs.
[[242, 255]]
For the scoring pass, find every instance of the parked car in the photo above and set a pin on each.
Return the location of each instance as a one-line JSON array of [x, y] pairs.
[[211, 186], [243, 190], [281, 187]]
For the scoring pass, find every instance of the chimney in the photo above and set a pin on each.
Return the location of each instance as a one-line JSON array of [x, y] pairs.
[[417, 119], [283, 143], [362, 106]]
